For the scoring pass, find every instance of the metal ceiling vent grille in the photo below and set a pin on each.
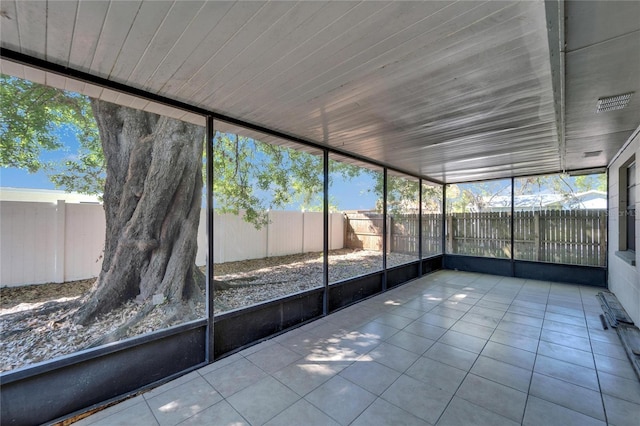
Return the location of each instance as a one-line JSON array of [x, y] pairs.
[[613, 103]]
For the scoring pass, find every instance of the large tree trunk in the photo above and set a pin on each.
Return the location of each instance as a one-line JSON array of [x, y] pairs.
[[152, 201]]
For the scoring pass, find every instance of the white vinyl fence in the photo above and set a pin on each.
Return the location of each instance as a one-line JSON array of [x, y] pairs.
[[58, 242]]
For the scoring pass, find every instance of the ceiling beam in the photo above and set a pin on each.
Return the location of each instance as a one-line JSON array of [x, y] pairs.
[[555, 16]]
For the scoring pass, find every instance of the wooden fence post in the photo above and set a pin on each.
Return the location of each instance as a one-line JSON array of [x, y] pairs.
[[602, 218], [450, 233], [536, 234], [60, 226]]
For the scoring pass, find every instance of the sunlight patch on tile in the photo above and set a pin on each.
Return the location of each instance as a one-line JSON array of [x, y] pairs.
[[173, 405]]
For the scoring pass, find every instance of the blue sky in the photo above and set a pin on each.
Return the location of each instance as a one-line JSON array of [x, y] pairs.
[[18, 178], [352, 195]]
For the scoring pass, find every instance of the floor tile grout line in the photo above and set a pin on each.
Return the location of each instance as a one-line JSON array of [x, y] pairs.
[[398, 378], [403, 373], [526, 403], [446, 287], [146, 401], [471, 367], [604, 407], [303, 397], [239, 413], [543, 398], [151, 411]]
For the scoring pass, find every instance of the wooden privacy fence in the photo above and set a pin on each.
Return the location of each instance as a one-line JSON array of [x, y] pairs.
[[575, 237], [56, 242], [479, 234], [364, 231], [404, 234]]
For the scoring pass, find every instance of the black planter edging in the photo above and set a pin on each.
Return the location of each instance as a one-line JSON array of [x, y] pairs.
[[346, 293], [237, 329], [572, 274], [58, 388], [401, 274], [483, 265], [432, 264]]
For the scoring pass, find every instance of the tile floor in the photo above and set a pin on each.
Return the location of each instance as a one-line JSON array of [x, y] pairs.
[[450, 348]]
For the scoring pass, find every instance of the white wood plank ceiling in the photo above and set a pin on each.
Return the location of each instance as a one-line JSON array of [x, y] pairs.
[[450, 90]]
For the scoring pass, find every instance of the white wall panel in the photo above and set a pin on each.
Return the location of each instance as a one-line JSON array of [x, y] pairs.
[[83, 241], [624, 279], [27, 243], [313, 232], [234, 239], [336, 231], [45, 242], [285, 233]]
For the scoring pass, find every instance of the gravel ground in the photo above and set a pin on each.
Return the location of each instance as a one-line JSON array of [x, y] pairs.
[[262, 280], [36, 325]]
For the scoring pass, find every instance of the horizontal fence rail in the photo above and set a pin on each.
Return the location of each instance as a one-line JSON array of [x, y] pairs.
[[575, 237], [364, 231], [485, 234], [58, 242]]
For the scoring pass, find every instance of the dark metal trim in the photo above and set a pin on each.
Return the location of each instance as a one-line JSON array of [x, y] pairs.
[[122, 88], [93, 353], [385, 240], [124, 397], [410, 263], [574, 274], [433, 256], [210, 224], [325, 233], [357, 277], [401, 274], [349, 292], [485, 265], [511, 222], [92, 381], [84, 77], [420, 226], [258, 306], [432, 264], [241, 328], [443, 225]]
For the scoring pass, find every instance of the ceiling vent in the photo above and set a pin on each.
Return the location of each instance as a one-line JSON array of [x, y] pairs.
[[613, 103], [589, 154]]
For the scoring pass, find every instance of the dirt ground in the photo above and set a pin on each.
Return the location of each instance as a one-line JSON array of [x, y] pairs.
[[10, 297], [36, 321]]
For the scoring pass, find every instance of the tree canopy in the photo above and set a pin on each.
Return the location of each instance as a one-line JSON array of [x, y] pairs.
[[483, 196], [35, 120], [251, 177]]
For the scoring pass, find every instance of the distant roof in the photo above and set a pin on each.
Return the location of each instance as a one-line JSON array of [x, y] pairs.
[[46, 196], [592, 199]]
